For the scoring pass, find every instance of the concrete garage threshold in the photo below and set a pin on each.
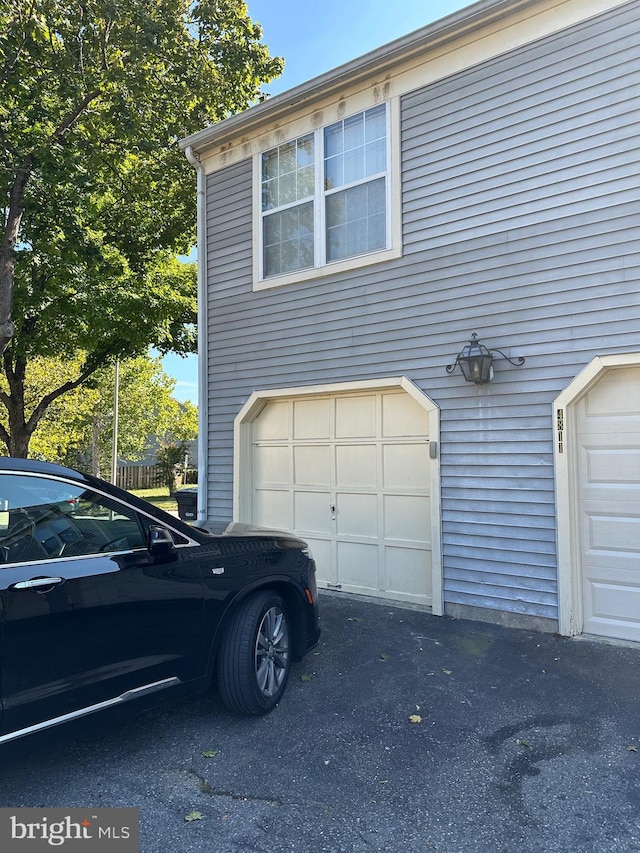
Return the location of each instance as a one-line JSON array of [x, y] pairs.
[[401, 733]]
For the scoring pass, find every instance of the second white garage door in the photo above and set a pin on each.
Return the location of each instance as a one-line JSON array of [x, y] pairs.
[[608, 491], [351, 475]]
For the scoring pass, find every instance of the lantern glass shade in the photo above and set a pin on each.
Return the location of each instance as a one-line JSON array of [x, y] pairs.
[[475, 363]]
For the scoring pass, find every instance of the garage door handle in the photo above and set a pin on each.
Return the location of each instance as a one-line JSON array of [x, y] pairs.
[[35, 583]]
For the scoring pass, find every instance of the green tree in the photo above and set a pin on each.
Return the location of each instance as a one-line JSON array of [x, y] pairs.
[[97, 199], [77, 429], [64, 425], [168, 458]]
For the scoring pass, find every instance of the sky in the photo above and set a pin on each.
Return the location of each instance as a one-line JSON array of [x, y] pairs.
[[314, 38]]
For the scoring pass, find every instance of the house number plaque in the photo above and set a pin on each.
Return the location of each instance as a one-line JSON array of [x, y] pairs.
[[560, 425]]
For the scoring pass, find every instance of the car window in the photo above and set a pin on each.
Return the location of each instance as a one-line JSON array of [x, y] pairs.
[[43, 518]]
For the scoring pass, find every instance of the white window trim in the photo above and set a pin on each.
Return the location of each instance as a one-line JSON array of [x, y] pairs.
[[321, 270]]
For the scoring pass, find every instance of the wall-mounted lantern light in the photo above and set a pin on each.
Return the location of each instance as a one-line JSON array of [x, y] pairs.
[[475, 361]]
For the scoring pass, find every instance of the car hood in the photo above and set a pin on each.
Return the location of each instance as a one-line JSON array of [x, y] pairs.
[[236, 528]]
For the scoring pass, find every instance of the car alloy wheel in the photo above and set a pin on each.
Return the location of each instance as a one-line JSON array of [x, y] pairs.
[[272, 651], [254, 657]]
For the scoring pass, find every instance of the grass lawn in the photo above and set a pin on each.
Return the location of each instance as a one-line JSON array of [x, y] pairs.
[[159, 496]]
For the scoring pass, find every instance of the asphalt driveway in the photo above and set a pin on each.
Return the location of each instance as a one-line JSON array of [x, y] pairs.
[[402, 732]]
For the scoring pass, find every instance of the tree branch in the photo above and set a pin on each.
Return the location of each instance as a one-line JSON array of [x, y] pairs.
[[90, 367], [8, 366], [7, 249], [63, 127]]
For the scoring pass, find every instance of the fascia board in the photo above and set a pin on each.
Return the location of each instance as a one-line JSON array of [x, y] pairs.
[[376, 61]]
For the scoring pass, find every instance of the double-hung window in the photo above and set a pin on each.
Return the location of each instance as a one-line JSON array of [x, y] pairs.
[[355, 168], [325, 196], [288, 188]]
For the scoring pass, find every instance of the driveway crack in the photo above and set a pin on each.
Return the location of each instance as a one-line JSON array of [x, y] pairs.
[[206, 788]]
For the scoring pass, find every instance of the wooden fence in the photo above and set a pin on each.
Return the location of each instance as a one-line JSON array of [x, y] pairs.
[[138, 476], [148, 477]]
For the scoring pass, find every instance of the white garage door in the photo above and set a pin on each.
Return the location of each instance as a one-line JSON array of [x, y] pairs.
[[608, 424], [350, 474]]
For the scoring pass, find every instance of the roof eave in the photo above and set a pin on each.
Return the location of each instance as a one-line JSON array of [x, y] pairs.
[[376, 61]]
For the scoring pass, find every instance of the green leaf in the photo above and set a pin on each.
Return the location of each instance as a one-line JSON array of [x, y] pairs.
[[193, 816], [306, 677], [210, 753]]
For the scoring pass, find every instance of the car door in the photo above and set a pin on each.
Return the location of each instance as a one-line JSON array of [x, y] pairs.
[[86, 612]]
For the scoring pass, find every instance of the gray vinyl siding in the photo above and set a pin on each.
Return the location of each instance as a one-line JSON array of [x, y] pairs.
[[521, 205]]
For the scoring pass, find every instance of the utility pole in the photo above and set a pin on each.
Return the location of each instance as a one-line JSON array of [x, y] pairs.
[[114, 456]]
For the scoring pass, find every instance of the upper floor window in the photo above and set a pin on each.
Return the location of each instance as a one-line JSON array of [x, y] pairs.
[[325, 196], [355, 167]]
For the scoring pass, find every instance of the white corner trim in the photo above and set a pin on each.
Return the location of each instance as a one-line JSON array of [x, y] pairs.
[[242, 452], [570, 617]]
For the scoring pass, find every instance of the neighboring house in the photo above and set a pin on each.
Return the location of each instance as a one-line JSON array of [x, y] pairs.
[[479, 175]]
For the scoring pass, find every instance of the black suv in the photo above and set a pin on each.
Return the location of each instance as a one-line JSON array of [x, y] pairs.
[[105, 598]]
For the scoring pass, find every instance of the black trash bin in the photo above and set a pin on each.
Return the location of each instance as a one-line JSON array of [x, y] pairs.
[[188, 503]]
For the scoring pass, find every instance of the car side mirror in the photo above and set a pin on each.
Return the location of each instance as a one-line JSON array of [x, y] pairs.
[[160, 544]]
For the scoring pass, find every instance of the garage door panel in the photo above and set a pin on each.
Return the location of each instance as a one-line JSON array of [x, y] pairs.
[[321, 549], [405, 466], [356, 417], [311, 418], [312, 512], [312, 465], [403, 416], [272, 508], [408, 572], [603, 463], [356, 465], [406, 517], [611, 533], [612, 608], [357, 515], [606, 400], [272, 422], [271, 465], [358, 564], [617, 465]]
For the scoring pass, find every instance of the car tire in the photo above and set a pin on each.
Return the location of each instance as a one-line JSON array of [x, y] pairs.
[[255, 656]]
